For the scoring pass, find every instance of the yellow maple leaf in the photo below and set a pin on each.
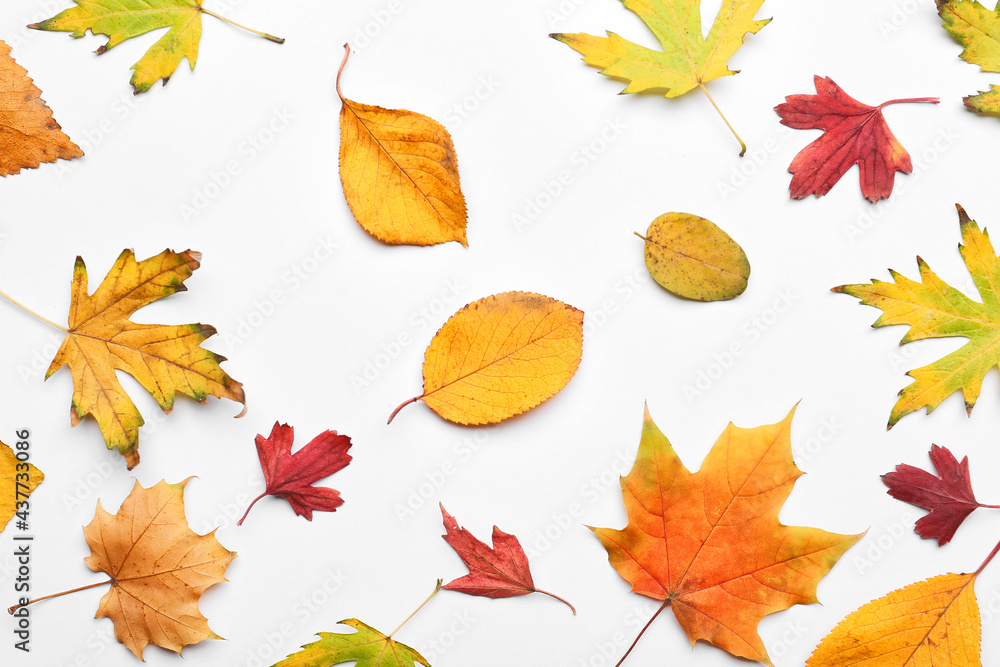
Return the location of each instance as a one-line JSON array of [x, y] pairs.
[[158, 569], [500, 356], [933, 622], [689, 58], [164, 359], [400, 174], [29, 135], [18, 479]]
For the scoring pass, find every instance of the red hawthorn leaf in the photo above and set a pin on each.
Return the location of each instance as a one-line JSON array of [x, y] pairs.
[[853, 133], [290, 476], [948, 496], [497, 572]]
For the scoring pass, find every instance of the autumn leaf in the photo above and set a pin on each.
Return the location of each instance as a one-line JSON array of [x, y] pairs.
[[932, 622], [948, 495], [29, 135], [853, 133], [934, 309], [691, 257], [291, 476], [400, 174], [18, 478], [367, 647], [977, 29], [498, 572], [689, 58], [710, 545], [164, 359], [124, 19], [158, 569], [500, 356]]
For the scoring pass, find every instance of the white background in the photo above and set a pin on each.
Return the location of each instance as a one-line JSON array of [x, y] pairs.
[[526, 106]]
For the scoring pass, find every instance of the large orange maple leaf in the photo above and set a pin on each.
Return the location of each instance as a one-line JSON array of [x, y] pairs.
[[709, 543]]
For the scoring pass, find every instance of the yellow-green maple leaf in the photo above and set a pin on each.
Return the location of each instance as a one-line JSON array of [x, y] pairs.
[[977, 29], [123, 19], [934, 309], [367, 648], [164, 359], [689, 58]]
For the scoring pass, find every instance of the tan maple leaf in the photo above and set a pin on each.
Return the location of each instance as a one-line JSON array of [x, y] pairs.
[[158, 569]]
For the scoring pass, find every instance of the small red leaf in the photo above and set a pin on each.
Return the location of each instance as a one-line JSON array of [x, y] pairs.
[[497, 572], [290, 476], [853, 133], [948, 496]]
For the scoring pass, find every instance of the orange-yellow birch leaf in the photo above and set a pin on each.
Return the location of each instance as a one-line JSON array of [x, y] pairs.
[[164, 359], [29, 135], [709, 543], [17, 480], [400, 174], [693, 258], [500, 356], [932, 623]]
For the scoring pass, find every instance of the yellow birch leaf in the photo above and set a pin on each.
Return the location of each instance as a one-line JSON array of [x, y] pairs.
[[932, 623], [400, 174], [693, 258], [29, 135], [17, 480], [500, 356], [164, 359]]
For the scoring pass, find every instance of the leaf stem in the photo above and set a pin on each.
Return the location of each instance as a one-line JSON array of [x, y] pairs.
[[279, 40], [641, 236], [31, 312], [743, 146], [407, 619], [986, 562], [556, 597], [932, 100], [252, 503], [347, 53], [11, 610], [663, 606], [401, 406]]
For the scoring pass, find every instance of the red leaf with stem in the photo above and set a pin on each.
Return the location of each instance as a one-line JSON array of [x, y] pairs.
[[497, 572], [948, 496], [853, 133], [290, 476]]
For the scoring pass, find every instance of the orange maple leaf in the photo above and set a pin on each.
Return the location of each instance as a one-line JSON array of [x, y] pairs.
[[709, 543], [158, 569]]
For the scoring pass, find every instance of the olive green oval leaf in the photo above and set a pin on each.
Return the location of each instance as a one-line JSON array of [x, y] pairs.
[[691, 257]]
